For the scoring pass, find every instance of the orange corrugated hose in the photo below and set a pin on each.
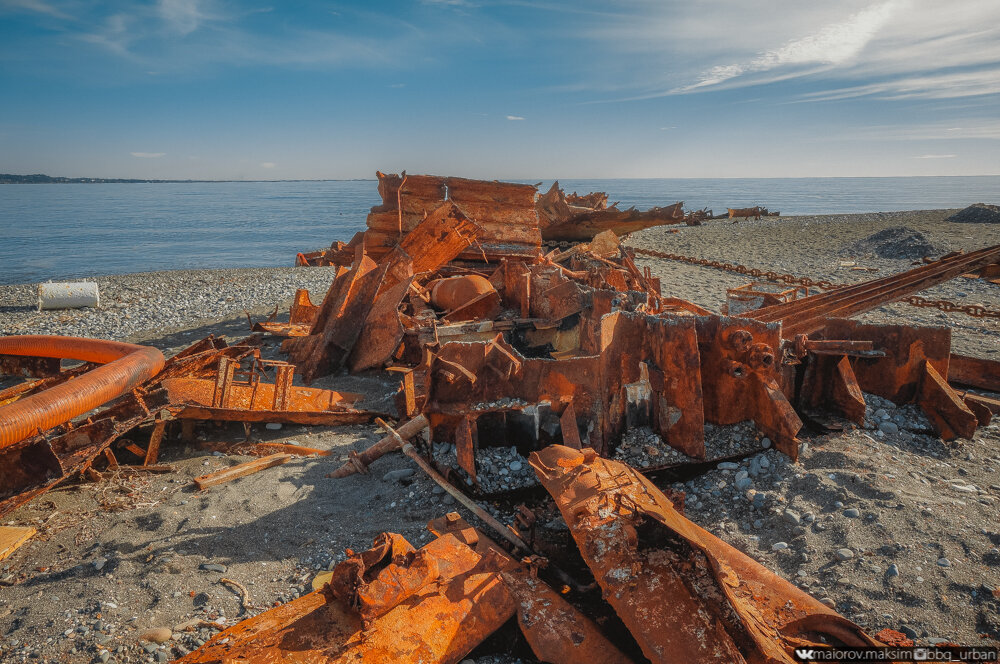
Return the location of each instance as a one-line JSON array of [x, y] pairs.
[[125, 367]]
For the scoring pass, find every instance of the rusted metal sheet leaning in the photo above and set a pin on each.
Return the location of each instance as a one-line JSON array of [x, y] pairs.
[[683, 594]]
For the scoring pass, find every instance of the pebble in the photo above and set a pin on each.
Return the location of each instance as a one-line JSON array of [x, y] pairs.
[[514, 466], [396, 475], [888, 428], [827, 602], [944, 562], [273, 426], [792, 517], [892, 571], [852, 513], [908, 631], [844, 554], [156, 635], [778, 546], [728, 465], [213, 567]]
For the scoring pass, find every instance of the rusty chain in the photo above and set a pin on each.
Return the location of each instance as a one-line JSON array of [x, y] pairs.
[[974, 310]]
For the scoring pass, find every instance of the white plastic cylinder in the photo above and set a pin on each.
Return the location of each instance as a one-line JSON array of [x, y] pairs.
[[68, 295]]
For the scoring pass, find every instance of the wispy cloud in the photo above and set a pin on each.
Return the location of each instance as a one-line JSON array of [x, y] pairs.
[[919, 48], [936, 156], [834, 44], [35, 6], [148, 155], [183, 16], [514, 117], [267, 164]]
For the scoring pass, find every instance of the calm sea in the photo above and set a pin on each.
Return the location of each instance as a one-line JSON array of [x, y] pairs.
[[67, 231]]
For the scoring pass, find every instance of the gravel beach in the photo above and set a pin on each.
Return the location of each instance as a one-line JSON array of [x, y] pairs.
[[888, 524]]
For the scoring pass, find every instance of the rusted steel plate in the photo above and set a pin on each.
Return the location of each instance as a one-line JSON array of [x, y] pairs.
[[679, 602], [829, 383], [556, 631], [440, 621], [382, 331], [974, 372], [739, 362], [944, 407], [898, 374]]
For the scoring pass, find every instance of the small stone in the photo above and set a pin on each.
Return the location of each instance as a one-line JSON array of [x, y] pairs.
[[908, 631], [396, 475], [944, 562], [156, 635], [892, 571], [728, 465], [766, 443], [161, 657], [273, 426], [838, 505], [844, 554], [99, 563], [745, 483], [792, 517], [888, 428], [826, 601], [104, 656], [448, 500], [852, 513], [514, 466], [778, 546], [213, 567]]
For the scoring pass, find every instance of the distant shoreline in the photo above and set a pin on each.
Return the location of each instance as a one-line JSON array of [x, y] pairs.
[[7, 178]]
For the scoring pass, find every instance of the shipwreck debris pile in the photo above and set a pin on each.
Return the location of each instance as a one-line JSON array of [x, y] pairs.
[[520, 367]]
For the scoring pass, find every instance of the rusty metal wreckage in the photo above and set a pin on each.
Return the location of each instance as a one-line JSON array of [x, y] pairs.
[[495, 341]]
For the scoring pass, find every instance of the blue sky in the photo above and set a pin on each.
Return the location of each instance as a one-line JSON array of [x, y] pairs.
[[507, 89]]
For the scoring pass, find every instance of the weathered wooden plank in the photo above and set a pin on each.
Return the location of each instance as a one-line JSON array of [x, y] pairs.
[[241, 470], [12, 537]]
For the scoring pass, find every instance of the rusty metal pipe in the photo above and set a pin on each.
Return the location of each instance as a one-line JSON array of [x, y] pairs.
[[125, 367]]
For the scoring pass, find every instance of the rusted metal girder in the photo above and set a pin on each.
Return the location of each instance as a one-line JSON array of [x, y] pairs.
[[807, 315], [238, 395], [685, 595], [974, 372]]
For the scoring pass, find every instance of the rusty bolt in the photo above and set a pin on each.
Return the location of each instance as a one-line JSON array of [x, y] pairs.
[[761, 356], [739, 340]]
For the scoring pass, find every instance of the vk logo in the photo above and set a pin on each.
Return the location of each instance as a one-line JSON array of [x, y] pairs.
[[805, 655]]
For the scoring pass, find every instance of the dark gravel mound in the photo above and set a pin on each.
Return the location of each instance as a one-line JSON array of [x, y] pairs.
[[897, 242], [978, 213]]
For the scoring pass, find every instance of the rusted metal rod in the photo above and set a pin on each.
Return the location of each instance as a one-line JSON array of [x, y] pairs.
[[505, 532], [410, 451], [388, 444]]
